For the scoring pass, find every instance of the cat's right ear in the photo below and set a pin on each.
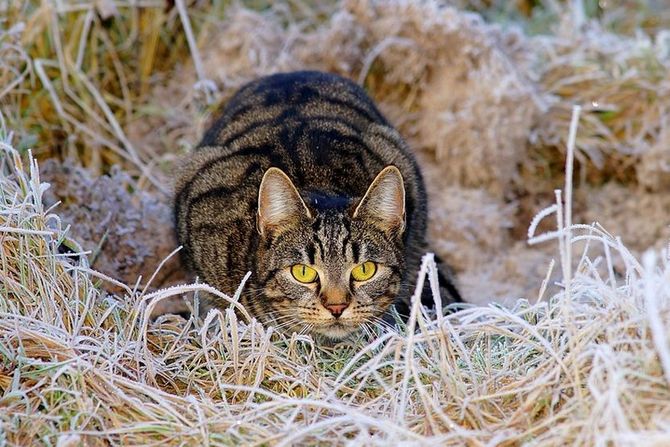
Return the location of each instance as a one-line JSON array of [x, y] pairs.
[[279, 203], [384, 203]]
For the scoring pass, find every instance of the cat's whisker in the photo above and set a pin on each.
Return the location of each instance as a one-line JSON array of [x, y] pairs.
[[381, 323], [306, 328], [366, 329], [286, 323], [287, 328], [283, 325]]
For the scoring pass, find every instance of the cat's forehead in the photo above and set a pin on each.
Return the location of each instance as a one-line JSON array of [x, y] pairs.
[[331, 230], [333, 240], [338, 239], [329, 219]]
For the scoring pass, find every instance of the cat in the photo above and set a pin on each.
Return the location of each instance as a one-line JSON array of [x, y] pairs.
[[303, 182]]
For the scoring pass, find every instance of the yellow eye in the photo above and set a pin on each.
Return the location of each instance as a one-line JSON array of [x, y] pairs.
[[304, 273], [364, 271]]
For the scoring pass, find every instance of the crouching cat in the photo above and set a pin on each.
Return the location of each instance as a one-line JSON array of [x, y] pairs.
[[304, 183]]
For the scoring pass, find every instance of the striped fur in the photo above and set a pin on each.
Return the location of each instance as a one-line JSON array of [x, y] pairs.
[[331, 141]]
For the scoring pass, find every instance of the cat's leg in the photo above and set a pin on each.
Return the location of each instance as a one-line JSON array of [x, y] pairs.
[[448, 288]]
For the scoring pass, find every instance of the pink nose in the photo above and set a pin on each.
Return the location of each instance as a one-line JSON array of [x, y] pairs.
[[336, 309]]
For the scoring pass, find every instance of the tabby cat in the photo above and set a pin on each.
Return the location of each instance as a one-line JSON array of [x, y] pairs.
[[304, 183]]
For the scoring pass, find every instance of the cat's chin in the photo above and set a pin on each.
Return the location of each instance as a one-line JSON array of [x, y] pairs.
[[335, 332]]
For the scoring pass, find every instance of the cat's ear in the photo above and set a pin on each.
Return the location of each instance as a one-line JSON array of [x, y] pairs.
[[384, 202], [279, 203]]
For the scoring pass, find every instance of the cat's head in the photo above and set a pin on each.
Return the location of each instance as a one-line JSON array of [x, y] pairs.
[[328, 269]]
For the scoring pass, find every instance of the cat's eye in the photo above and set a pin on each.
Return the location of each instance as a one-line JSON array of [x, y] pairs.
[[364, 271], [304, 273]]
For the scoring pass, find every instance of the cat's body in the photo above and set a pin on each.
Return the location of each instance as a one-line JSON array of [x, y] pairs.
[[330, 140]]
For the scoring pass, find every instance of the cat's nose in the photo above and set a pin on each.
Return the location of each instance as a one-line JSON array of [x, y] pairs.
[[336, 309]]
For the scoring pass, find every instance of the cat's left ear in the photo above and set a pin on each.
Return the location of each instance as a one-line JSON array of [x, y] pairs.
[[384, 202], [279, 203]]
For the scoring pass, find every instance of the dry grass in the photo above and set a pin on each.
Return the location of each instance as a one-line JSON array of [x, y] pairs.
[[584, 360], [590, 366]]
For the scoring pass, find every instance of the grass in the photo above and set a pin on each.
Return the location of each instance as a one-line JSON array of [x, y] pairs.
[[590, 365], [584, 361]]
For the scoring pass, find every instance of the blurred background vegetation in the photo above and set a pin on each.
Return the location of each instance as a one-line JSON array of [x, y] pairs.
[[75, 74]]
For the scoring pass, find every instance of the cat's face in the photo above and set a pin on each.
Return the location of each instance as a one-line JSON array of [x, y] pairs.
[[329, 270]]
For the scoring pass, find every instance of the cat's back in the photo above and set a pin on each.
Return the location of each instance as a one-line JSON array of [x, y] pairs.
[[321, 129], [288, 98]]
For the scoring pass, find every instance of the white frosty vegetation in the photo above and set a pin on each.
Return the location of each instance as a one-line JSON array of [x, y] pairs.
[[589, 365]]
